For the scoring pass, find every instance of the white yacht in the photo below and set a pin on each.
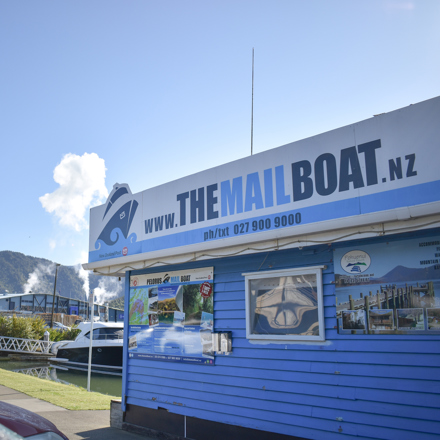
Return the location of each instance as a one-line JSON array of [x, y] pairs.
[[106, 348]]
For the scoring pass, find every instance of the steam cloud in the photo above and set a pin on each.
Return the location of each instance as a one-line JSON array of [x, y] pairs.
[[108, 288], [84, 276], [81, 182], [36, 280]]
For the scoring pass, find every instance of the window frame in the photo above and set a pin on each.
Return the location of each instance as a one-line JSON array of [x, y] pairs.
[[250, 276], [99, 337]]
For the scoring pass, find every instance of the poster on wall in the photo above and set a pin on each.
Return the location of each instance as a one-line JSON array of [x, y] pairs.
[[389, 288], [171, 316]]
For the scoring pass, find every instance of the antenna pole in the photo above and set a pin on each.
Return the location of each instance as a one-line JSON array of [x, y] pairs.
[[252, 111]]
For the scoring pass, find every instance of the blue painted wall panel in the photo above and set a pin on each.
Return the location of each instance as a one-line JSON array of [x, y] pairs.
[[291, 395], [350, 386]]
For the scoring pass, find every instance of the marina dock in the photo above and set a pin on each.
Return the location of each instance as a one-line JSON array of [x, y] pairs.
[[391, 297]]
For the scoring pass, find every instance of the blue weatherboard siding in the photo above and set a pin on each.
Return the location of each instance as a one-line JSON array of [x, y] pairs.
[[351, 386]]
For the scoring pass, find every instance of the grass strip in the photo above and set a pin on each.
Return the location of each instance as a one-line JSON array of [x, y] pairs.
[[66, 396]]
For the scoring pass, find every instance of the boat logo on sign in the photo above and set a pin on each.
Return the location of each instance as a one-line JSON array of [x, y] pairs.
[[355, 262], [120, 210]]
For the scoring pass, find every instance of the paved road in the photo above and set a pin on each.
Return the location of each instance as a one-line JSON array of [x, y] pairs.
[[76, 425]]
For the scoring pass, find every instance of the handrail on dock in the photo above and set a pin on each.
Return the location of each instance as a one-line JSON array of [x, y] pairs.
[[20, 345]]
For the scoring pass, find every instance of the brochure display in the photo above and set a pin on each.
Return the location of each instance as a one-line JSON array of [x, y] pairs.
[[389, 288], [171, 316]]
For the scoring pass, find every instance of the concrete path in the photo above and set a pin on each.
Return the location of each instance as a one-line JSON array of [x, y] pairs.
[[76, 425]]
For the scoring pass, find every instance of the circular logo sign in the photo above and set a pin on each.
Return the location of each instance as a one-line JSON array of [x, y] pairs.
[[134, 282], [206, 289], [355, 262], [125, 251]]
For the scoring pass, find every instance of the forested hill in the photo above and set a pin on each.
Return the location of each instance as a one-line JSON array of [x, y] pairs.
[[21, 273]]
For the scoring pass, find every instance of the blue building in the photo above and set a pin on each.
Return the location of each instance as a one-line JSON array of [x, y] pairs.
[[293, 294]]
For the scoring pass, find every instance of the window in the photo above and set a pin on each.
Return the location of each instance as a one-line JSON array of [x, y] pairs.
[[106, 333], [285, 305]]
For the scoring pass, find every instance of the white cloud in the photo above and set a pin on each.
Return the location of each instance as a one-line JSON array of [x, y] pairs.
[[52, 244], [82, 186]]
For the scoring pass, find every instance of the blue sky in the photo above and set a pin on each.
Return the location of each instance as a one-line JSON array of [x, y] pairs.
[[145, 92]]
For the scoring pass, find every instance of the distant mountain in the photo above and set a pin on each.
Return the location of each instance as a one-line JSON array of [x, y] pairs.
[[400, 274], [403, 274], [21, 273], [117, 303]]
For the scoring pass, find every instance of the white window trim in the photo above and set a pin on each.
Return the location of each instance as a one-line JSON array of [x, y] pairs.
[[316, 270]]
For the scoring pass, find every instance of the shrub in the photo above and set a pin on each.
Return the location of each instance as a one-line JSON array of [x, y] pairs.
[[32, 327], [5, 326], [54, 335], [67, 335], [38, 327], [70, 335], [21, 328]]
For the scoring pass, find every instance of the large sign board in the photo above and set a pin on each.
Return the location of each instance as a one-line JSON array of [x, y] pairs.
[[362, 173], [171, 316], [389, 288]]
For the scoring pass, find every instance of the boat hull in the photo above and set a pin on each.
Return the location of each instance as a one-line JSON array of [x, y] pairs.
[[102, 357]]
